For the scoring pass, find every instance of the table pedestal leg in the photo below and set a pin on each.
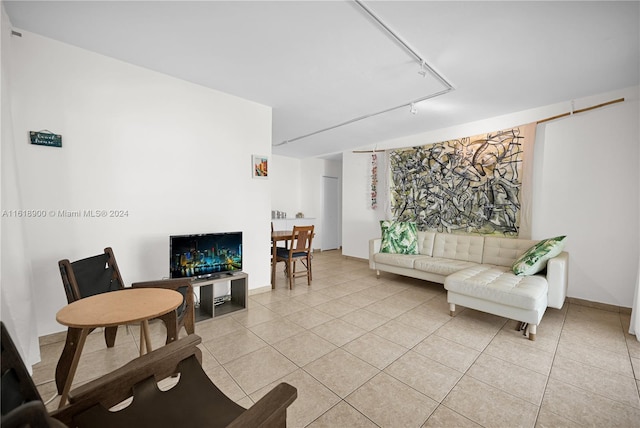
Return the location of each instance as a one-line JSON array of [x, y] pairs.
[[68, 363], [145, 337]]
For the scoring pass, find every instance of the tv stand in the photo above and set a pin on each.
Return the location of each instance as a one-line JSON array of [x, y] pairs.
[[236, 301]]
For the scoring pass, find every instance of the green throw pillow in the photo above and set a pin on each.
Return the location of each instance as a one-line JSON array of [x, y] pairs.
[[535, 258], [399, 237]]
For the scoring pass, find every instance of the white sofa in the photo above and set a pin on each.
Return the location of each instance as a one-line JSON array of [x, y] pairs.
[[476, 272]]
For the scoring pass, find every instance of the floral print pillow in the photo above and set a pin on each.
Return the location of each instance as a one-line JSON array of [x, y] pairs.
[[399, 237], [535, 258]]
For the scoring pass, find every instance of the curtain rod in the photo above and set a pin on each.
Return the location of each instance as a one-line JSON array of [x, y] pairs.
[[582, 110]]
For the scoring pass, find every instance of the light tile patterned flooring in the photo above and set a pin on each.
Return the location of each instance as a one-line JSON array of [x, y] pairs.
[[367, 352]]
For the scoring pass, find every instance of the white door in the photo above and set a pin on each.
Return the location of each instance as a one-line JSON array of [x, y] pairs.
[[331, 214]]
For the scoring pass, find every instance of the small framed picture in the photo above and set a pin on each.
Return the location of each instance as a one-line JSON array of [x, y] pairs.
[[260, 166]]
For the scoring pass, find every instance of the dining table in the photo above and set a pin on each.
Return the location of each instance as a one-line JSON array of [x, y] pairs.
[[113, 308]]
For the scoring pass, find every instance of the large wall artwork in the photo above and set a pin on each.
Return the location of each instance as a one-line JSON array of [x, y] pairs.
[[470, 185]]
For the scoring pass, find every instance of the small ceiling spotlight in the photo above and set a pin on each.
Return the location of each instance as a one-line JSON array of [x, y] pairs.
[[413, 109], [423, 69]]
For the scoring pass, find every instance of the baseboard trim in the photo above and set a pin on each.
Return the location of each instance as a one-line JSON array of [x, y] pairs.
[[598, 305], [259, 290]]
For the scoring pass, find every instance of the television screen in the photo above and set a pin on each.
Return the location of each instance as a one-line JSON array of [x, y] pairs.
[[205, 255]]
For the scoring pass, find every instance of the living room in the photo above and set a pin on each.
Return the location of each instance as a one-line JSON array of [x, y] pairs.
[[176, 158]]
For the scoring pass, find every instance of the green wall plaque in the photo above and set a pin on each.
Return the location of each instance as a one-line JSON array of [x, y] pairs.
[[45, 139]]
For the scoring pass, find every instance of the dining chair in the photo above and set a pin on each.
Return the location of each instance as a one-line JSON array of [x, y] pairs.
[[285, 243], [299, 250]]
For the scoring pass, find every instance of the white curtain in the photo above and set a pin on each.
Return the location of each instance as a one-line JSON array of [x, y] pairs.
[[634, 326], [16, 293]]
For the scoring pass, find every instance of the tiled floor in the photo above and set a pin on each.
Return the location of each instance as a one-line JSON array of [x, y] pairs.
[[367, 352]]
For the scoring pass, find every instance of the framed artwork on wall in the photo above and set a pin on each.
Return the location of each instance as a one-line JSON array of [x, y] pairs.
[[260, 166]]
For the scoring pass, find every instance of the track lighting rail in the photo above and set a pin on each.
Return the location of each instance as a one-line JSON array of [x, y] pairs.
[[424, 67]]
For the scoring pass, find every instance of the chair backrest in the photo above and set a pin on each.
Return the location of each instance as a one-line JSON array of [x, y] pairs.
[[17, 386], [90, 276], [302, 238], [21, 402]]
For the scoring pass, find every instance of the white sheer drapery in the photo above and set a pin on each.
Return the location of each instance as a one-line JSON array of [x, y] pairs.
[[16, 292]]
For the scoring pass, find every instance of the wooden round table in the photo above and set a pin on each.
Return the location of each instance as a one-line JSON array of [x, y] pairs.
[[109, 309]]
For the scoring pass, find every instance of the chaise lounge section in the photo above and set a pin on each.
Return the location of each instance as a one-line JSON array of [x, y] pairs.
[[477, 273]]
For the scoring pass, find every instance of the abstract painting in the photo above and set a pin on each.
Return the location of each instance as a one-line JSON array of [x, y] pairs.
[[470, 185]]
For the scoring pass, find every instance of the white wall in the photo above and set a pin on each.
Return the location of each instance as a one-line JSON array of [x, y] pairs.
[[359, 221], [588, 190], [296, 186], [585, 186], [175, 156], [284, 181]]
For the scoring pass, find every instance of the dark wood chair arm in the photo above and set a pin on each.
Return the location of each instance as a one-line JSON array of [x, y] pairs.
[[173, 284], [117, 386], [185, 314], [270, 410]]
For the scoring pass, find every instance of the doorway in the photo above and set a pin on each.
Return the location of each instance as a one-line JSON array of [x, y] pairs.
[[331, 214]]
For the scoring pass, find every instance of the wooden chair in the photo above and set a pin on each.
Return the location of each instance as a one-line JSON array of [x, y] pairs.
[[21, 402], [299, 250], [193, 401], [185, 313], [93, 275], [100, 274], [285, 245]]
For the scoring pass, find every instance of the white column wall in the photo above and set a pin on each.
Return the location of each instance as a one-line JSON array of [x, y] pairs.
[[175, 156]]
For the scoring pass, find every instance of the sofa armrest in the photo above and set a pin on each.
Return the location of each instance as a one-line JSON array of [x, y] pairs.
[[374, 247], [558, 280]]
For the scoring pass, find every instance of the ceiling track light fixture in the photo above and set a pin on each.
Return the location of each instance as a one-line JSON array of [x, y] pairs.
[[424, 69], [366, 116], [423, 63]]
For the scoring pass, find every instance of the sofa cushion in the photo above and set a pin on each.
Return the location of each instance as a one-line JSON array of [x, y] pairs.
[[441, 266], [425, 242], [499, 284], [399, 237], [504, 251], [535, 258], [458, 247], [400, 260]]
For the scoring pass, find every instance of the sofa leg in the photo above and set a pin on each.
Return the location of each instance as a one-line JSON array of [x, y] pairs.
[[452, 309], [377, 274], [522, 326], [532, 331]]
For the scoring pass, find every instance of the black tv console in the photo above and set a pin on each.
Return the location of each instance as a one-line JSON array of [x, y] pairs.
[[213, 308]]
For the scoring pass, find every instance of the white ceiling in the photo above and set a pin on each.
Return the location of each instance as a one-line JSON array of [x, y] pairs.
[[324, 63]]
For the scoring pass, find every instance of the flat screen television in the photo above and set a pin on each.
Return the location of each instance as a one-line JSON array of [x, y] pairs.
[[205, 255]]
